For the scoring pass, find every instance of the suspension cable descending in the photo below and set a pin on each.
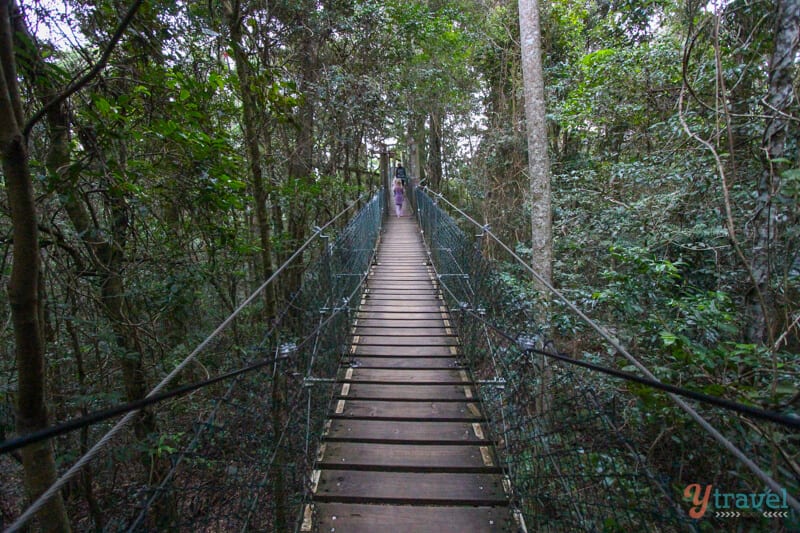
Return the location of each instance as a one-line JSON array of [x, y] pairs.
[[35, 506], [261, 364], [710, 429], [313, 335], [788, 421], [152, 399], [348, 254]]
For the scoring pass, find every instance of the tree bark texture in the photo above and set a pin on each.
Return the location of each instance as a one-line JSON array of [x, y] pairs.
[[769, 211], [539, 169], [538, 160], [435, 153], [23, 288], [251, 140], [301, 158]]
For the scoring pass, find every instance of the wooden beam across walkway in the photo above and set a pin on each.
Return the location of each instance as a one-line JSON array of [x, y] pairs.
[[404, 447]]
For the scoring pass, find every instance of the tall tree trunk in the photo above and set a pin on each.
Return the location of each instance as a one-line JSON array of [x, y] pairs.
[[86, 474], [300, 170], [106, 250], [251, 139], [386, 180], [418, 133], [107, 256], [23, 288], [780, 96], [301, 159], [538, 167], [538, 160], [413, 159], [435, 147]]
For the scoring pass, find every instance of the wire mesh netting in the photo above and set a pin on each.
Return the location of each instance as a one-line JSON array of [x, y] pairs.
[[570, 467], [251, 457], [237, 455]]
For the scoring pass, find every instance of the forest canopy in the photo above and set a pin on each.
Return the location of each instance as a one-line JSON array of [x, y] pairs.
[[161, 159]]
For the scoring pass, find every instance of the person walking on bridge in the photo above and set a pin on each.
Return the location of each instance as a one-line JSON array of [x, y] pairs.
[[400, 173], [399, 195]]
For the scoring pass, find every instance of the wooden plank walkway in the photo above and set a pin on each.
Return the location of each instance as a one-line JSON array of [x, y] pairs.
[[404, 448]]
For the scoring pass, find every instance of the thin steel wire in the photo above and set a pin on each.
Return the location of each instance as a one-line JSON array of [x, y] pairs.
[[351, 253], [726, 443], [571, 466]]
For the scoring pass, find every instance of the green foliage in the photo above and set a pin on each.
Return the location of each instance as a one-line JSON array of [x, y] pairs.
[[157, 157]]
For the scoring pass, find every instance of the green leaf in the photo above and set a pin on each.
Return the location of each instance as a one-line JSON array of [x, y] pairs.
[[668, 338], [102, 105], [597, 57]]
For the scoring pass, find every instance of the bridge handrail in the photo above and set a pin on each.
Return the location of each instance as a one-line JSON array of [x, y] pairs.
[[75, 469], [699, 419]]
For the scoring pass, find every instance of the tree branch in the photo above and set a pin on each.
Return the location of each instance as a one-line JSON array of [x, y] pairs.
[[729, 224], [94, 71]]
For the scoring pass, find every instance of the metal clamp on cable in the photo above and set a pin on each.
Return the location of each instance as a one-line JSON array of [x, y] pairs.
[[498, 383], [287, 348], [527, 343], [310, 381], [343, 306]]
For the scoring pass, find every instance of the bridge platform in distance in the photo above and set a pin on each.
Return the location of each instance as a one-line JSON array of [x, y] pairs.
[[405, 447]]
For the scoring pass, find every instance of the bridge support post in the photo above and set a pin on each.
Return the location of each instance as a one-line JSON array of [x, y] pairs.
[[385, 177], [279, 417]]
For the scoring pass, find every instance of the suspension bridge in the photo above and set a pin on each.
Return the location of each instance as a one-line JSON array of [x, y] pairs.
[[404, 387]]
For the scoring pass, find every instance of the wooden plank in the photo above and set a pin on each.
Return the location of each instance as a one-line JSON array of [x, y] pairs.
[[354, 486], [385, 262], [394, 279], [391, 289], [408, 285], [405, 458], [402, 294], [407, 376], [381, 431], [364, 518], [401, 330], [398, 280], [404, 362], [416, 265], [403, 351], [399, 410], [400, 322], [427, 296], [390, 280], [383, 315], [380, 297], [418, 262], [400, 307], [410, 392], [390, 340], [418, 269]]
